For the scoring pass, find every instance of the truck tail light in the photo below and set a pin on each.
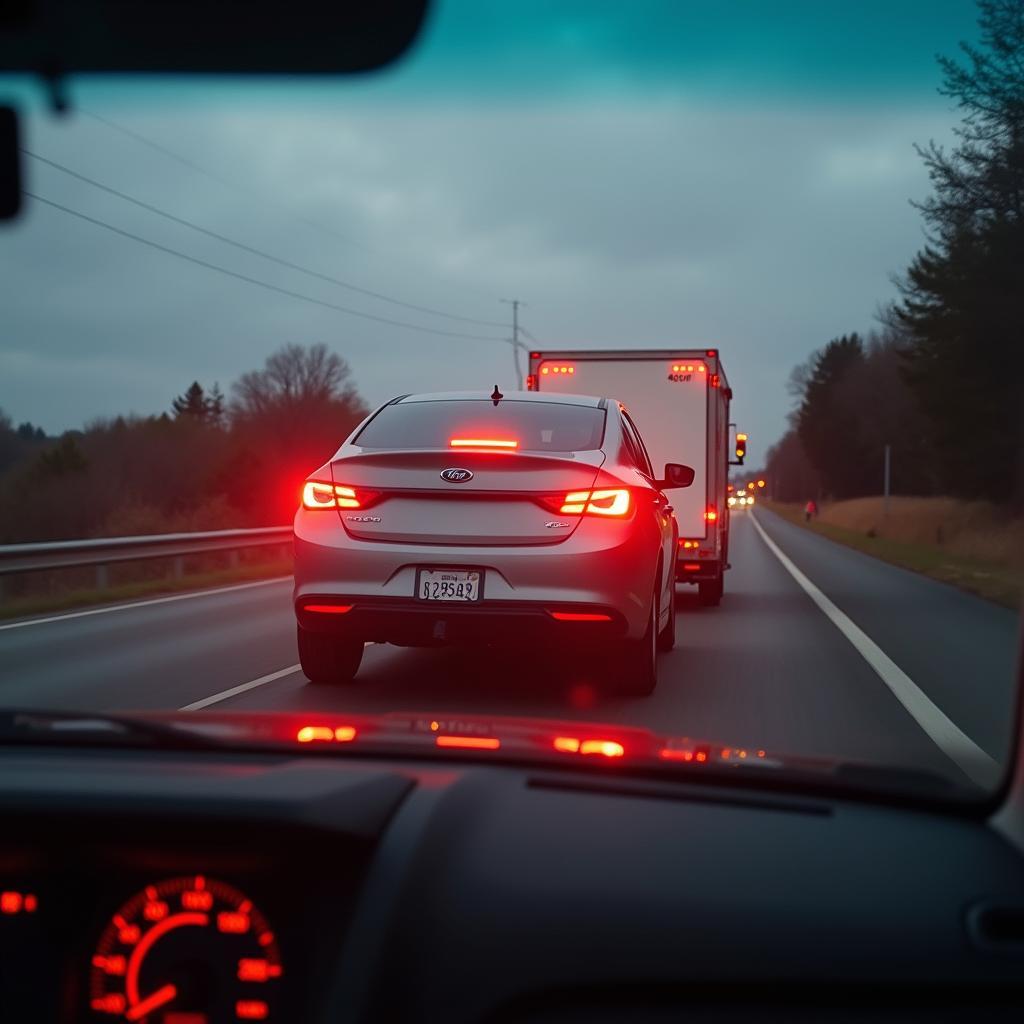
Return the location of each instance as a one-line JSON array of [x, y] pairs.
[[320, 494], [614, 502], [531, 382], [712, 514]]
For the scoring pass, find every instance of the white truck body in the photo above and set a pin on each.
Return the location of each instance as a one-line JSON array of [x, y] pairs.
[[679, 400]]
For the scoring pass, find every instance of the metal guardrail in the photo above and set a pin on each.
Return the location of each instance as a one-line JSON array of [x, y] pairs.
[[103, 551]]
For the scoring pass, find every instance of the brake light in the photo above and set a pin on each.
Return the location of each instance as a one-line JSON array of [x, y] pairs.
[[715, 380], [687, 544], [712, 514], [328, 609], [567, 368], [319, 494], [482, 442], [614, 501], [580, 616], [691, 567]]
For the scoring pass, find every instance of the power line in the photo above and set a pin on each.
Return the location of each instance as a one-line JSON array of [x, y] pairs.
[[261, 198], [251, 249], [256, 281]]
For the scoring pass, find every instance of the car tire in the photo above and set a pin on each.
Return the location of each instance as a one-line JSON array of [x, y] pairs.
[[709, 592], [329, 660], [635, 671], [667, 637]]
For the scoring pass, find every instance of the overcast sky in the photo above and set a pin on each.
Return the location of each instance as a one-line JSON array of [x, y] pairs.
[[734, 174]]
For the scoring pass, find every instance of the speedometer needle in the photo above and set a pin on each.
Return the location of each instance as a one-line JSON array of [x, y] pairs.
[[151, 1003]]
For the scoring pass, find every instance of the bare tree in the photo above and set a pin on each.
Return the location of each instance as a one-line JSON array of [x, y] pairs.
[[294, 376]]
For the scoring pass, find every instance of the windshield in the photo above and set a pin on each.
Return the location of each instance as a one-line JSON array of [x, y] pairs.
[[533, 426], [786, 237]]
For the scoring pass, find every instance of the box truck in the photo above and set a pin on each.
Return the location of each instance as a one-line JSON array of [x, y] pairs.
[[679, 400]]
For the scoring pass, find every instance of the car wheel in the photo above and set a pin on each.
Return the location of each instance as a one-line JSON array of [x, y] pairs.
[[636, 669], [709, 592], [667, 637], [327, 659]]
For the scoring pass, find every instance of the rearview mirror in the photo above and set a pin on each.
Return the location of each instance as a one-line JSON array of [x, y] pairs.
[[676, 475]]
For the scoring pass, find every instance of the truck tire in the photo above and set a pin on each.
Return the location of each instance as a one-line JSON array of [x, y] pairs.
[[634, 673], [667, 637], [329, 660], [709, 592]]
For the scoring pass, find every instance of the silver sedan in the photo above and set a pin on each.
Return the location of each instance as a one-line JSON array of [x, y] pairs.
[[476, 518]]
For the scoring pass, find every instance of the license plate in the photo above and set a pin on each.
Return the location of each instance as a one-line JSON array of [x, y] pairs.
[[448, 584]]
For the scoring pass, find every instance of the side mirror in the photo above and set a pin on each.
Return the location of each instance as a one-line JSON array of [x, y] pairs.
[[676, 475]]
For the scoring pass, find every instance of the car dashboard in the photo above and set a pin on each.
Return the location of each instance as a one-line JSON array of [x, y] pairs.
[[187, 887]]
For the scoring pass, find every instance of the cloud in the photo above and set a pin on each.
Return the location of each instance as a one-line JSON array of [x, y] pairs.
[[648, 218]]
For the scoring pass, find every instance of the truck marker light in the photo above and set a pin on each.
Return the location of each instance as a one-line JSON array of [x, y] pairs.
[[715, 380], [482, 442], [712, 514]]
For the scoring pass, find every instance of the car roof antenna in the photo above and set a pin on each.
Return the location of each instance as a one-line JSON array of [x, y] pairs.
[[496, 395]]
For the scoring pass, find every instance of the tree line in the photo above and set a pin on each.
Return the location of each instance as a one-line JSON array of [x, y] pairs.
[[209, 462], [940, 380]]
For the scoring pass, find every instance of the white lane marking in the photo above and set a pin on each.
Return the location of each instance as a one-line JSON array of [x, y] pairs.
[[243, 687], [235, 690], [142, 604], [946, 734]]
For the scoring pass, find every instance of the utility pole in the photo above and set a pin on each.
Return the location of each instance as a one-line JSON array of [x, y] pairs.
[[516, 343]]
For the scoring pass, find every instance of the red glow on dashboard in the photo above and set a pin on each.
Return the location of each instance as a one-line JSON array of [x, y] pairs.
[[312, 733], [469, 742], [668, 754], [325, 734], [193, 900], [131, 982], [155, 910], [230, 922], [251, 1009], [16, 902], [253, 969], [112, 1002]]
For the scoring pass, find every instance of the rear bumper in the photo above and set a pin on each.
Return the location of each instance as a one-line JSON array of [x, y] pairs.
[[604, 567], [706, 569], [426, 624]]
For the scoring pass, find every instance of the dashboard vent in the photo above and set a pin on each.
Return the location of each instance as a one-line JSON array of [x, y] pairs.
[[999, 927]]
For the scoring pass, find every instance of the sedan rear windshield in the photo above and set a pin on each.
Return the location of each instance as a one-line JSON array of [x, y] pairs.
[[533, 426]]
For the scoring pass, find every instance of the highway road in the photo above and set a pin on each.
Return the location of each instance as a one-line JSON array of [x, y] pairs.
[[816, 650]]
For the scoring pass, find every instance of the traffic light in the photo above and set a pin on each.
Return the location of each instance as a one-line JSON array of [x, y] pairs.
[[741, 447]]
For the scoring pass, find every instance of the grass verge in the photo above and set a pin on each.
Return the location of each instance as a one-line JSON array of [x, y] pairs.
[[36, 605], [1000, 583]]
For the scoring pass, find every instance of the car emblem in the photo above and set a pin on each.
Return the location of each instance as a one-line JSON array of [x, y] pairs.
[[456, 476], [555, 525]]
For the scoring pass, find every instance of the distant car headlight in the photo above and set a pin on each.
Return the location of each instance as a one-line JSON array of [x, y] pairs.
[[730, 501]]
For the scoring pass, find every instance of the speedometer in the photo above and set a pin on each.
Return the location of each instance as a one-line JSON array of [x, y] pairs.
[[188, 950]]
